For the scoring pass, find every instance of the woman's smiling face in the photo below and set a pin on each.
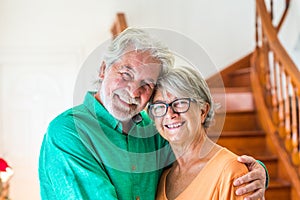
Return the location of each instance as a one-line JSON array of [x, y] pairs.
[[178, 128]]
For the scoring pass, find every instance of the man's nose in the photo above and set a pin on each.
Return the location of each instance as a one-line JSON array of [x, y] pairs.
[[135, 89]]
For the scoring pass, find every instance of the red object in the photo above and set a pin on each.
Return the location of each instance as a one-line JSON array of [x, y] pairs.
[[3, 165]]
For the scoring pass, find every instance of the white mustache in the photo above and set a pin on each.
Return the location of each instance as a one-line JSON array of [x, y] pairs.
[[124, 96]]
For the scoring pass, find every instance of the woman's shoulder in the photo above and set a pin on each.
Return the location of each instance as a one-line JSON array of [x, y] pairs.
[[230, 163]]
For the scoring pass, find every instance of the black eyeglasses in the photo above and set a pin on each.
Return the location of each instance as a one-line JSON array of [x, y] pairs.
[[159, 109]]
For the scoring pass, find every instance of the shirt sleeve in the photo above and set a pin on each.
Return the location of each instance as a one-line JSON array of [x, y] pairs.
[[68, 170]]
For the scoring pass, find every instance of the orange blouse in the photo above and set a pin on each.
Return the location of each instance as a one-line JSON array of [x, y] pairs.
[[214, 181]]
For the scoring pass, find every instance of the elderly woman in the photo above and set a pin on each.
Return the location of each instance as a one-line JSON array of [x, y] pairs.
[[182, 109]]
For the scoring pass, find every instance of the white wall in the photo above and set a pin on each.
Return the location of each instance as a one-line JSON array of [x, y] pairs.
[[289, 34], [34, 88], [225, 29], [43, 43]]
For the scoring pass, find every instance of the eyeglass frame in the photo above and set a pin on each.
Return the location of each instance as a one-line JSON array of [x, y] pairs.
[[150, 106]]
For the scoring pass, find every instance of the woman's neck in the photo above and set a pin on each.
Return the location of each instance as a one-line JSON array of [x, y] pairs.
[[199, 150]]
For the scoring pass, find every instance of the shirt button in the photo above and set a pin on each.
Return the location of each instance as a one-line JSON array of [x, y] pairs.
[[133, 167], [137, 198]]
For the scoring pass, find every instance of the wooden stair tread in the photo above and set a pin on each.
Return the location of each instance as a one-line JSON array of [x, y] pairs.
[[238, 89], [236, 120], [278, 189], [236, 99], [278, 183], [244, 133], [265, 156], [240, 111], [241, 71]]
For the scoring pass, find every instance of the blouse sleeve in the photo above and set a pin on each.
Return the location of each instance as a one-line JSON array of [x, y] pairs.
[[231, 171]]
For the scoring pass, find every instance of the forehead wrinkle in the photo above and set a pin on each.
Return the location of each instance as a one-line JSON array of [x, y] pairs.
[[127, 66]]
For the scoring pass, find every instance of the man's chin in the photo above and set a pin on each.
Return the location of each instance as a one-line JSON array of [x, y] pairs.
[[123, 115]]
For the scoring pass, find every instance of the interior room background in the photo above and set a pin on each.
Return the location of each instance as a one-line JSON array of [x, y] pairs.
[[44, 43]]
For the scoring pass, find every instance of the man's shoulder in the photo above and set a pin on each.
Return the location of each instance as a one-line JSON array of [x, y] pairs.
[[66, 120]]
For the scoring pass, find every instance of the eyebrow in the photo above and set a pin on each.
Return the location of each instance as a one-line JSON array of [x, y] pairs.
[[150, 81], [128, 67], [159, 101]]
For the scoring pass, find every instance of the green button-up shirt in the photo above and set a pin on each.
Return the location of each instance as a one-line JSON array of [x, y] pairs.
[[84, 155]]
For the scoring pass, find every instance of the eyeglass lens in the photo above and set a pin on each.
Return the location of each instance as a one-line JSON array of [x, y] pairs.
[[177, 106]]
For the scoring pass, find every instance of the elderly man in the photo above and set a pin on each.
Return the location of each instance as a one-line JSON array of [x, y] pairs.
[[107, 147]]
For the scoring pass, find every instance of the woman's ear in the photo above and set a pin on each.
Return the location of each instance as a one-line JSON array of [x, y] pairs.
[[204, 112], [102, 70]]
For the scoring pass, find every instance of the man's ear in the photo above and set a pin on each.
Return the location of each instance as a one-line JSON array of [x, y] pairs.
[[102, 70]]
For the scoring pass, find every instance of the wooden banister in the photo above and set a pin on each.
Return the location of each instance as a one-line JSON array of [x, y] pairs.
[[276, 80], [287, 5], [270, 34], [119, 24]]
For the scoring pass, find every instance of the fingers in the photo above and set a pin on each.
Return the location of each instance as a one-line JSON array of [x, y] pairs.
[[246, 159], [250, 187], [259, 194], [255, 187], [254, 180], [255, 176], [256, 170]]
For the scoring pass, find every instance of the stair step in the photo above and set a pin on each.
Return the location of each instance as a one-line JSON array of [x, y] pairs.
[[240, 77], [278, 189], [241, 71], [236, 121], [235, 99], [239, 99], [242, 144]]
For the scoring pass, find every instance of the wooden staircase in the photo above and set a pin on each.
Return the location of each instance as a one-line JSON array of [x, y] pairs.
[[242, 133]]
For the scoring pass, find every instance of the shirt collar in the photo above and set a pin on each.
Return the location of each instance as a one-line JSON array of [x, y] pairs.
[[95, 107]]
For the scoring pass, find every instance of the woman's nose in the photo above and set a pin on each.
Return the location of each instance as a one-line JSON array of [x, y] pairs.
[[170, 112]]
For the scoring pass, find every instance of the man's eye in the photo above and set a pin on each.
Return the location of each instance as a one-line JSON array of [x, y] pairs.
[[148, 86], [126, 76]]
